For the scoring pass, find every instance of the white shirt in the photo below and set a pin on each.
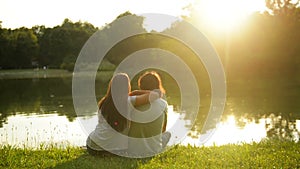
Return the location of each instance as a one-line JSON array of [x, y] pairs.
[[104, 137]]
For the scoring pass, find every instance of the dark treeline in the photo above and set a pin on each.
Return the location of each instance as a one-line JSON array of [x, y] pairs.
[[267, 43], [39, 46]]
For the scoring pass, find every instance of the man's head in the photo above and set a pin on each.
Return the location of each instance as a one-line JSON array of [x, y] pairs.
[[150, 81]]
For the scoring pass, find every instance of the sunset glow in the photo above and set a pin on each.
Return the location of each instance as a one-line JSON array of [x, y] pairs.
[[226, 15]]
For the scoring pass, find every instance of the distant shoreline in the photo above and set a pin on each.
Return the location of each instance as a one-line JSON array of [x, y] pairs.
[[40, 73], [33, 73]]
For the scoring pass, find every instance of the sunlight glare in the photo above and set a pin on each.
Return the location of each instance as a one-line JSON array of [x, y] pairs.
[[229, 132], [298, 125], [225, 15]]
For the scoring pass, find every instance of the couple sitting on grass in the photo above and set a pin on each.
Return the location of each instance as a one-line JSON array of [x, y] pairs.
[[131, 123]]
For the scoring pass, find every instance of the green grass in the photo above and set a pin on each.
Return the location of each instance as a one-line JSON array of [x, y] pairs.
[[267, 154]]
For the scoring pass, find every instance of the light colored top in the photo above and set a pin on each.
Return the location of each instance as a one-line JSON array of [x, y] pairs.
[[146, 138], [104, 137]]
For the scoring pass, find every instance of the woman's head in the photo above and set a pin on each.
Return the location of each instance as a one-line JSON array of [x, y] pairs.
[[150, 81], [120, 82]]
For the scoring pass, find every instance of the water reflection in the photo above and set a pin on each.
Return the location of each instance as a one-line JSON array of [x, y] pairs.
[[37, 110], [280, 127], [41, 96], [33, 130], [230, 132], [245, 130]]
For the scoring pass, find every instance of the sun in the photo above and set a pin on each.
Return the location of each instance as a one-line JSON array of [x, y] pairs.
[[225, 15]]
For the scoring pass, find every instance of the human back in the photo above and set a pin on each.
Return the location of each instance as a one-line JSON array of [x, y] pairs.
[[156, 116], [147, 134]]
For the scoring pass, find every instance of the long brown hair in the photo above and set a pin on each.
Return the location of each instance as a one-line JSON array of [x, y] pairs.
[[107, 104]]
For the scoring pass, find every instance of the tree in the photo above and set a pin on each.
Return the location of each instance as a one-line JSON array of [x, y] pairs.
[[2, 45], [38, 31], [283, 8], [134, 23], [60, 46], [19, 48], [25, 46]]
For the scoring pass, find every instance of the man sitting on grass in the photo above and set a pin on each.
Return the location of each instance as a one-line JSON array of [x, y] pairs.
[[147, 129]]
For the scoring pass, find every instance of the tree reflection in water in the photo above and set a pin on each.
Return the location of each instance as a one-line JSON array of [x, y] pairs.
[[282, 127], [29, 97], [245, 129]]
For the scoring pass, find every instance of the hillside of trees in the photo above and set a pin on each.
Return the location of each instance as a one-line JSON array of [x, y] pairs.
[[39, 46], [267, 43]]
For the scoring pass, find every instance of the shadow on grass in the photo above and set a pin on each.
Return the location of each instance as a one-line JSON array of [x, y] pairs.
[[102, 161]]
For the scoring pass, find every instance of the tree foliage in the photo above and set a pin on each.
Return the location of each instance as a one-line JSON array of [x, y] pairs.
[[40, 46], [18, 48], [285, 8], [267, 43], [56, 47]]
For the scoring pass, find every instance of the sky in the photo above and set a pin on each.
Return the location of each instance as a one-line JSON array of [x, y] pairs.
[[50, 13], [28, 13]]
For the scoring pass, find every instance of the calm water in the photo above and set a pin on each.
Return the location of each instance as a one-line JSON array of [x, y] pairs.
[[40, 110]]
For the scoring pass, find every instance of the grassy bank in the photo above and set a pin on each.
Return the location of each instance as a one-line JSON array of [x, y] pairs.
[[268, 154]]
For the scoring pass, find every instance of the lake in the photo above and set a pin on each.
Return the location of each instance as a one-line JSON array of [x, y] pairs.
[[37, 108]]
